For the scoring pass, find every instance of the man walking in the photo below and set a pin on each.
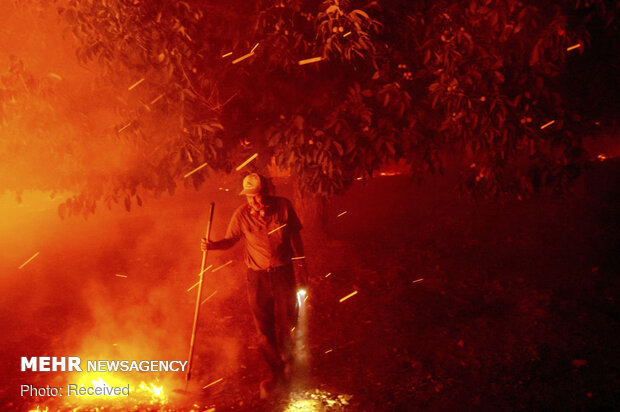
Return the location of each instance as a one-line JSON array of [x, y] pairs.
[[271, 228]]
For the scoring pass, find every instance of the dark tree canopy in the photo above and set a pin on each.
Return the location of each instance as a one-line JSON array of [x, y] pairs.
[[470, 84]]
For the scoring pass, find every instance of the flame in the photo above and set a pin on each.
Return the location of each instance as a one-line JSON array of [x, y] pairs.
[[141, 394], [155, 390]]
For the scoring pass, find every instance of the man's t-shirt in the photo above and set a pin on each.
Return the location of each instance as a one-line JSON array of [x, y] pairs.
[[267, 241]]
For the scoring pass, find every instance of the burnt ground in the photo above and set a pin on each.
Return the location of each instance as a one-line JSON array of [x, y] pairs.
[[462, 305]]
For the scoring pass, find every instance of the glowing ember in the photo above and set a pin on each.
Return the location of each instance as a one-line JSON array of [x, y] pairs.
[[227, 54], [198, 283], [26, 262], [328, 275], [547, 124], [124, 127], [389, 173], [208, 297], [346, 34], [418, 280], [573, 47], [195, 170], [329, 350], [155, 390], [245, 56], [311, 60], [276, 229], [136, 84], [254, 48], [342, 213], [157, 98], [299, 257], [242, 165], [194, 285], [225, 264], [348, 296], [213, 383], [120, 276], [601, 157]]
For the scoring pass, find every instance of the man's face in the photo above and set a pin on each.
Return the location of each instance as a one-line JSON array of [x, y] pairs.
[[256, 202]]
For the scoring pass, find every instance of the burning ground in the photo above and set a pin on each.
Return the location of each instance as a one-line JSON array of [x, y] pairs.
[[460, 304]]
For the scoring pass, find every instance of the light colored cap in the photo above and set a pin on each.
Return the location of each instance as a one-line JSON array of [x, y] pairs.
[[251, 185]]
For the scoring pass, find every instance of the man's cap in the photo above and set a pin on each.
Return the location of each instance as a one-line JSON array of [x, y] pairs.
[[251, 185]]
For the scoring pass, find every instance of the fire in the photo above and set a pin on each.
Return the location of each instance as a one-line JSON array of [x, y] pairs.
[[141, 394], [320, 400], [155, 390]]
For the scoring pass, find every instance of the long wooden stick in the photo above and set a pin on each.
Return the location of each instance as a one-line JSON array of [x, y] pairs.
[[198, 300]]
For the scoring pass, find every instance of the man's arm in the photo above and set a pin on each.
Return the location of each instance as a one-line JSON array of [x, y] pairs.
[[233, 234]]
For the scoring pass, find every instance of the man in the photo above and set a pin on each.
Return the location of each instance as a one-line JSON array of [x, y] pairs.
[[271, 228]]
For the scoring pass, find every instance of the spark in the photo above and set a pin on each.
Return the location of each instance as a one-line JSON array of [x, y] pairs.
[[330, 350], [28, 261], [601, 157], [195, 170], [226, 55], [55, 76], [328, 275], [242, 165], [342, 213], [120, 276], [213, 383], [254, 48], [359, 178], [348, 296], [225, 264], [297, 258], [245, 56], [157, 98], [346, 34], [124, 127], [209, 297], [547, 124], [418, 280], [204, 270], [136, 84], [197, 283], [311, 60], [194, 285], [276, 229], [573, 47]]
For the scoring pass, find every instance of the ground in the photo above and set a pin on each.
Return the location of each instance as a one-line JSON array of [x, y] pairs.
[[461, 304]]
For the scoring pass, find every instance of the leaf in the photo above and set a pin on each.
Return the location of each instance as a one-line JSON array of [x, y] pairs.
[[386, 99], [361, 13]]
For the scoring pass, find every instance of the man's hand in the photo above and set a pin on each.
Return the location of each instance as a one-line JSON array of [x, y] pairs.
[[207, 245]]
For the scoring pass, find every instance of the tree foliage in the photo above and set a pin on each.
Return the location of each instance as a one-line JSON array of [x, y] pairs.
[[427, 82]]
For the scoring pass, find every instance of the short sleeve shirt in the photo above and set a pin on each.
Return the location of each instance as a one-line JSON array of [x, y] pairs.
[[267, 238]]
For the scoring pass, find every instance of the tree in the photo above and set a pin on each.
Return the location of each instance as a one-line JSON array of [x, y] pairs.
[[412, 81]]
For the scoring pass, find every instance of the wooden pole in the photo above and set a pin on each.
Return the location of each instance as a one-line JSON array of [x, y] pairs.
[[198, 299]]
